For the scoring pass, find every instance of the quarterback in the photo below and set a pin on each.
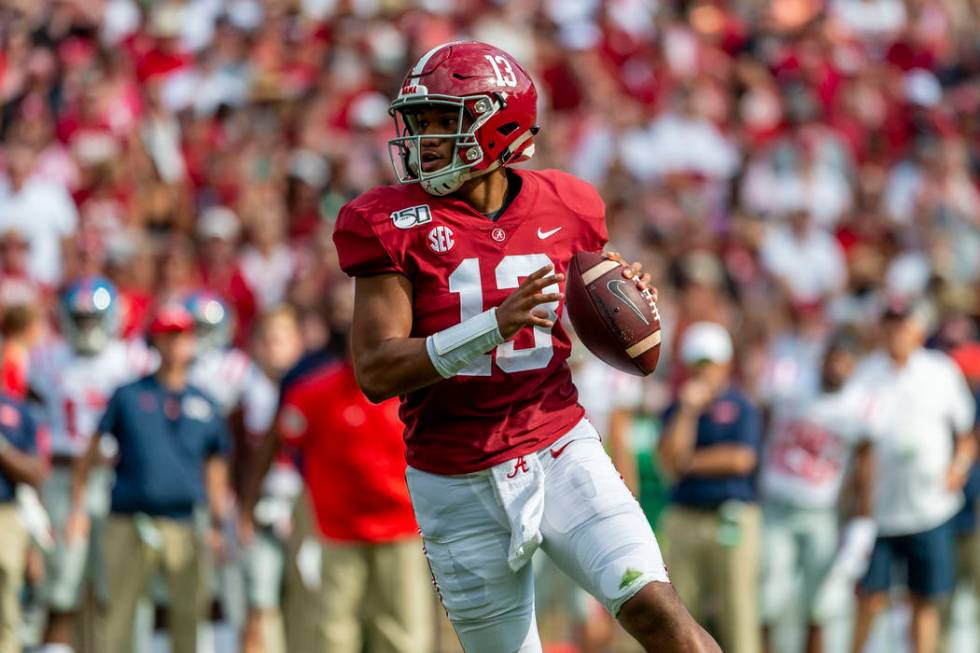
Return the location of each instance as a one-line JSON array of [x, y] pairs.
[[459, 276]]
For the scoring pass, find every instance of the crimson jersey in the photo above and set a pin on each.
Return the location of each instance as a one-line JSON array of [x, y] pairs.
[[519, 397]]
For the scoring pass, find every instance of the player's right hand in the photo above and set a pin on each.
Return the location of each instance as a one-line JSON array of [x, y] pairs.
[[523, 306]]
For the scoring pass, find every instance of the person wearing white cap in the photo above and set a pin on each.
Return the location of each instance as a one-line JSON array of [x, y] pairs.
[[920, 420], [709, 447]]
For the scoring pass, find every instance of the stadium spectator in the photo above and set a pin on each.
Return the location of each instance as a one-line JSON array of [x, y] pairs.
[[921, 421], [41, 210], [710, 448], [19, 463], [171, 440]]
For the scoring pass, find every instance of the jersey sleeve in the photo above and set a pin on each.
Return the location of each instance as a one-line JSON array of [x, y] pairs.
[[361, 251], [594, 232], [748, 428], [25, 439], [219, 444], [583, 200]]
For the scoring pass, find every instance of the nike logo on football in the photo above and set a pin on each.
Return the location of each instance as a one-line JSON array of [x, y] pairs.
[[560, 450], [616, 287], [547, 234]]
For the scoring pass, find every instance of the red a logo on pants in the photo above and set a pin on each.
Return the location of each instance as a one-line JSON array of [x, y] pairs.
[[519, 466]]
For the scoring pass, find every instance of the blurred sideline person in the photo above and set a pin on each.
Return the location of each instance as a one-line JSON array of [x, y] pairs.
[[921, 420], [19, 464], [21, 328], [73, 379], [247, 399], [277, 346], [710, 446], [376, 586], [171, 445], [812, 440]]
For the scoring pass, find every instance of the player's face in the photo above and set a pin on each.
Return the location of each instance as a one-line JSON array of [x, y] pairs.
[[435, 153]]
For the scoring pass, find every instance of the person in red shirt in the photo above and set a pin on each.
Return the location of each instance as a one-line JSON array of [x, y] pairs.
[[376, 586], [20, 329], [459, 274]]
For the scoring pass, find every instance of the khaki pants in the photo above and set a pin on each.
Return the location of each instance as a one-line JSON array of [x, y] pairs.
[[13, 557], [376, 594], [301, 604], [133, 558], [715, 570]]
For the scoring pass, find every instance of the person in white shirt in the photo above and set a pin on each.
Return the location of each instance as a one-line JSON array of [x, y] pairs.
[[920, 419], [43, 212], [813, 438]]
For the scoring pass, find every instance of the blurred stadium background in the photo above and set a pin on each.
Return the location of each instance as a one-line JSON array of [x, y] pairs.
[[781, 167]]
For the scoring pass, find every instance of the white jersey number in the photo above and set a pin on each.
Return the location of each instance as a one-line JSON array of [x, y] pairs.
[[465, 280]]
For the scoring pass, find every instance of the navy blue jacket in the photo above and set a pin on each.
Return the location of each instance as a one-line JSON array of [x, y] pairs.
[[165, 439], [730, 419]]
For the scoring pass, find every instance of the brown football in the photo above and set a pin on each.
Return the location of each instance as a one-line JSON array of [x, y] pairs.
[[611, 316]]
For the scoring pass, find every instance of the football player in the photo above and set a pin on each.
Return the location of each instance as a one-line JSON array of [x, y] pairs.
[[73, 378], [459, 275], [222, 371], [230, 377], [815, 437]]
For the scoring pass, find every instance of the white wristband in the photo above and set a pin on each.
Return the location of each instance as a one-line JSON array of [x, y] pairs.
[[452, 349]]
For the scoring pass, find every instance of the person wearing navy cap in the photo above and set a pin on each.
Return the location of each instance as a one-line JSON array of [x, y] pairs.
[[19, 463], [172, 440]]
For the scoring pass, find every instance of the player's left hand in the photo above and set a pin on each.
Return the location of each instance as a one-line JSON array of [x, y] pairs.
[[634, 271]]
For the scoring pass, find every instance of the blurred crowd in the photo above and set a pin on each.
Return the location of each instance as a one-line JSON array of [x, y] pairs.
[[786, 169]]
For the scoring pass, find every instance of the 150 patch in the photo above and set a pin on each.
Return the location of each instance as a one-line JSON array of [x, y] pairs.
[[413, 216]]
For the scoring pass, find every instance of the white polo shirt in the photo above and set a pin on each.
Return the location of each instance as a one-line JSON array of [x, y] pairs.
[[914, 413]]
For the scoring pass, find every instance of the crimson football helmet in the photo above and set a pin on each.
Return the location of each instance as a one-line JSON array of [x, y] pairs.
[[497, 105]]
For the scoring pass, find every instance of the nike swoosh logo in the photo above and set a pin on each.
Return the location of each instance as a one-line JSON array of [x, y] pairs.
[[547, 234], [616, 287], [560, 450]]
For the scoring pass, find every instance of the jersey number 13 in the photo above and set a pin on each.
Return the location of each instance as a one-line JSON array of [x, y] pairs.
[[465, 280]]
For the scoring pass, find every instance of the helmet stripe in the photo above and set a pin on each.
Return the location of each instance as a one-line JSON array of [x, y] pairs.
[[420, 66]]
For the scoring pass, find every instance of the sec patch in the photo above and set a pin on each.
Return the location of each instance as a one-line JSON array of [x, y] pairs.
[[441, 239]]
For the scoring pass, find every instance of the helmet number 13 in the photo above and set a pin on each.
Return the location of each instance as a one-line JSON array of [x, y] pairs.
[[506, 76], [465, 281]]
